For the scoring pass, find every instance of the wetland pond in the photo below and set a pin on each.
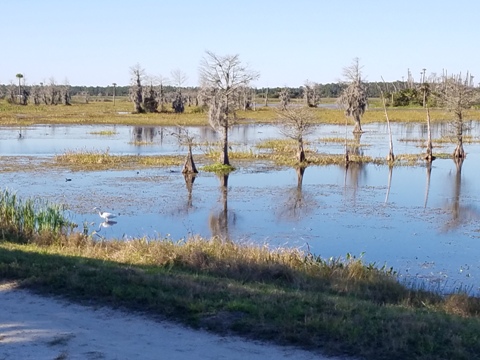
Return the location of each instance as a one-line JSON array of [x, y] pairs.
[[422, 222]]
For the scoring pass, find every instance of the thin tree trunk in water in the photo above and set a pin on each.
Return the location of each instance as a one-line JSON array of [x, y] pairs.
[[224, 153], [390, 156], [429, 157], [347, 158], [300, 151], [459, 153]]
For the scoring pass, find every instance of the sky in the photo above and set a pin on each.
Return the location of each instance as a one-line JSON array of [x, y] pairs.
[[96, 42]]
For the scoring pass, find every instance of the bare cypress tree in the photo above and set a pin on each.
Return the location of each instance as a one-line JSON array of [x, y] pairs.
[[12, 94], [296, 123], [66, 97], [457, 94], [246, 99], [221, 79], [36, 94], [136, 88], [25, 96], [178, 78], [284, 97], [43, 94], [354, 98], [150, 101], [53, 93], [311, 94]]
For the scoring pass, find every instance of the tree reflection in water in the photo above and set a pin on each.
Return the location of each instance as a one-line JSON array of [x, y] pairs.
[[427, 187], [297, 204], [144, 134], [354, 170], [460, 214], [353, 173], [389, 184], [184, 208], [221, 222], [189, 180]]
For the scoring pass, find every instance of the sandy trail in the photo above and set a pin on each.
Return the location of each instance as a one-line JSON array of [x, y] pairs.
[[36, 327]]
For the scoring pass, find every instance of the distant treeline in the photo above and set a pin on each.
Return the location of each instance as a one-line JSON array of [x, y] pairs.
[[332, 90]]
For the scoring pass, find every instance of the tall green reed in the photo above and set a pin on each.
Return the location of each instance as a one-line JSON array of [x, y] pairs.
[[22, 219]]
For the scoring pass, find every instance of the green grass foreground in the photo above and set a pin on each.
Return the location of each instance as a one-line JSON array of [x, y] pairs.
[[283, 295]]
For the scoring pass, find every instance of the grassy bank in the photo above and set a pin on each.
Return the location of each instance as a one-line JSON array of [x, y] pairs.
[[287, 296], [120, 114]]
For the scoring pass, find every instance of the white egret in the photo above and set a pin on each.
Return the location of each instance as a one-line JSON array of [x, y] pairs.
[[105, 215]]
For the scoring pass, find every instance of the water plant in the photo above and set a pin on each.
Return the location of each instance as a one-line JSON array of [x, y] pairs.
[[25, 219]]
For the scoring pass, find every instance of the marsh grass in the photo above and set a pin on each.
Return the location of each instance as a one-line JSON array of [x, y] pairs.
[[340, 140], [285, 295], [30, 218], [92, 113], [97, 160], [106, 113], [104, 133]]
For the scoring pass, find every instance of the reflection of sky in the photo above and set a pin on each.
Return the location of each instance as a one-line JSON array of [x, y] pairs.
[[56, 139], [335, 213]]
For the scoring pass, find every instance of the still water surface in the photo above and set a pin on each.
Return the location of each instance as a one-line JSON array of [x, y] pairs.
[[424, 224]]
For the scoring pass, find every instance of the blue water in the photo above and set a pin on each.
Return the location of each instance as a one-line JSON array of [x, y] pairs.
[[426, 229]]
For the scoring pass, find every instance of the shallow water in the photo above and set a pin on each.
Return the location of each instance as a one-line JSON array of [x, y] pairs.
[[425, 226]]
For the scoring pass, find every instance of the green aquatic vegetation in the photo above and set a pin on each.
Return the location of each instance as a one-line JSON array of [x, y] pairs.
[[218, 168], [23, 219]]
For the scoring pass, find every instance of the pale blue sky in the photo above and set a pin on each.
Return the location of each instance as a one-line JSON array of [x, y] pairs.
[[95, 42]]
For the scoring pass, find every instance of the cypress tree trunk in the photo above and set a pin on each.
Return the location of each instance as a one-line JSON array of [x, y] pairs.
[[358, 126], [224, 153], [300, 151], [189, 166]]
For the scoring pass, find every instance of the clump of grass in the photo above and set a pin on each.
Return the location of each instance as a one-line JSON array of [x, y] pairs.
[[86, 157], [104, 160], [277, 145], [24, 219], [104, 132], [218, 168], [159, 160]]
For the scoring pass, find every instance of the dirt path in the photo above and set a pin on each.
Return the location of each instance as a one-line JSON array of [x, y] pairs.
[[35, 327]]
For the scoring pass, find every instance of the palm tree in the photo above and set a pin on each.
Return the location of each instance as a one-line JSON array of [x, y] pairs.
[[19, 76]]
